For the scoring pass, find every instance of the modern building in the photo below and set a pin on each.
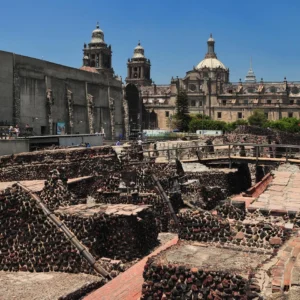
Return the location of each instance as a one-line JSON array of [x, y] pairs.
[[50, 97], [210, 92]]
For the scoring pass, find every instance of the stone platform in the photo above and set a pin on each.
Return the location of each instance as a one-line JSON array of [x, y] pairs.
[[198, 255], [37, 286], [282, 194], [37, 185], [88, 210]]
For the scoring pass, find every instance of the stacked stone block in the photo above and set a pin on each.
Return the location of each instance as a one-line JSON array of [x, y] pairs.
[[123, 232]]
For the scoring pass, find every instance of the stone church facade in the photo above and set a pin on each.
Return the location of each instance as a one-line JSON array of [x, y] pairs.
[[44, 94], [210, 92]]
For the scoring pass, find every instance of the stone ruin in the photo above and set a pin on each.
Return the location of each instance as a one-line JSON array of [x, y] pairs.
[[121, 221]]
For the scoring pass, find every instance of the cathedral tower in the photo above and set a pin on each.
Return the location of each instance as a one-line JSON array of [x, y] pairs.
[[138, 68], [97, 54]]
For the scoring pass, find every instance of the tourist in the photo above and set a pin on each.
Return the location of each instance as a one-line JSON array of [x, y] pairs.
[[118, 143], [17, 131], [10, 132]]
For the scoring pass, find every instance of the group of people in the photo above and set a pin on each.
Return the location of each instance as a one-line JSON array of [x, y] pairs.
[[13, 130]]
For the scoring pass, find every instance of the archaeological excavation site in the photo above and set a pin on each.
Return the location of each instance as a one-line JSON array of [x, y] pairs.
[[182, 219]]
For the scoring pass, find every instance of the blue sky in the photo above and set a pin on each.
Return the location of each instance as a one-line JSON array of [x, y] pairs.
[[173, 33]]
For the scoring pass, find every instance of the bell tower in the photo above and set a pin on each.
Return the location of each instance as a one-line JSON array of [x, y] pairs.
[[138, 68], [97, 54]]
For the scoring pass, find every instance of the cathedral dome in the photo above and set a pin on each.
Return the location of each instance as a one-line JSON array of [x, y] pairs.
[[211, 63], [97, 35], [138, 51]]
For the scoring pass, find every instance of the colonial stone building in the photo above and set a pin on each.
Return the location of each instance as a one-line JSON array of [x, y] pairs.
[[46, 95], [211, 93]]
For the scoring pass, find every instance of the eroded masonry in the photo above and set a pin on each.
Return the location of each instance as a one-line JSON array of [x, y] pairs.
[[163, 223]]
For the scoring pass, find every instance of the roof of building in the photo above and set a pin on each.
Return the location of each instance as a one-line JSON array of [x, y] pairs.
[[211, 39], [211, 63], [138, 51], [250, 77], [160, 90], [97, 35], [89, 69]]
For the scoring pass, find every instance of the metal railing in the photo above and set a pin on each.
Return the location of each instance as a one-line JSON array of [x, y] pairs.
[[243, 151]]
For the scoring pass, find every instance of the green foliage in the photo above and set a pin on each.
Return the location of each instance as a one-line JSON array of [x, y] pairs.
[[284, 124], [201, 116], [197, 124], [258, 118], [182, 117]]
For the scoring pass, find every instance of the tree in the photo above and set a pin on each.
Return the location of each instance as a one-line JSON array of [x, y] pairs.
[[258, 118], [182, 111], [196, 124]]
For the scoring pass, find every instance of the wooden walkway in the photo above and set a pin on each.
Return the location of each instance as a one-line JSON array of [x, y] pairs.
[[250, 159]]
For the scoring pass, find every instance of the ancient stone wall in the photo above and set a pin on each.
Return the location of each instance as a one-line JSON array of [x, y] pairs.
[[182, 282], [206, 227], [77, 163], [29, 242], [119, 231]]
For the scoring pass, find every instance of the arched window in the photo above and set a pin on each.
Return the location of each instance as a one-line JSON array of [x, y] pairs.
[[295, 90]]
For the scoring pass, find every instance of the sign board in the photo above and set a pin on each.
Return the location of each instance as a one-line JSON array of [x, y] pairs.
[[61, 128]]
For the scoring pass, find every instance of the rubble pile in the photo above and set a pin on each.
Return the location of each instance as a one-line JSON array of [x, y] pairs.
[[230, 211], [29, 242], [207, 189], [56, 193], [81, 190], [254, 134], [119, 231], [77, 163], [181, 282], [203, 226]]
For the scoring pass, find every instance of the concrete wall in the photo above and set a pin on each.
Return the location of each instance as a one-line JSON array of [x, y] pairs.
[[8, 147], [94, 140], [33, 77]]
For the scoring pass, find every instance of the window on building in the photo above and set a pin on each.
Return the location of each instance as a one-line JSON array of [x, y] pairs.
[[269, 101], [193, 103], [135, 69], [93, 56], [295, 90], [298, 102], [246, 101], [240, 115], [167, 114], [200, 103], [290, 114], [273, 89], [193, 87], [224, 102], [230, 91], [292, 102], [219, 114]]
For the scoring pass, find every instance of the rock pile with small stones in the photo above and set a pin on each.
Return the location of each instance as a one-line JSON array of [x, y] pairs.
[[203, 226], [181, 282], [29, 242], [120, 231]]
